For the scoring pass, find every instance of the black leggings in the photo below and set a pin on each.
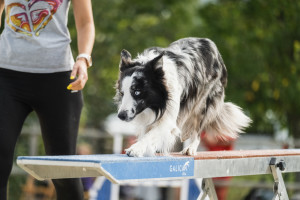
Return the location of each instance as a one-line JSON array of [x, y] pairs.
[[58, 110]]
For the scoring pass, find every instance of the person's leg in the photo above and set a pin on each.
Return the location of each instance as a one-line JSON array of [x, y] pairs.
[[59, 113], [13, 112]]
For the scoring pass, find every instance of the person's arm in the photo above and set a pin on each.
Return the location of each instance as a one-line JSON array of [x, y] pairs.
[[1, 9], [86, 36]]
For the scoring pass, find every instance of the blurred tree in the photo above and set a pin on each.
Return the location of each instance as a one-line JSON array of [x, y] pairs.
[[260, 43]]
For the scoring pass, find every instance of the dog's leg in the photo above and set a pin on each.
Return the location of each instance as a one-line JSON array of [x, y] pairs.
[[159, 139], [191, 149], [161, 136]]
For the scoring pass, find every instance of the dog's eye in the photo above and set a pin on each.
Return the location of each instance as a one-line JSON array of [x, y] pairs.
[[121, 94], [137, 93]]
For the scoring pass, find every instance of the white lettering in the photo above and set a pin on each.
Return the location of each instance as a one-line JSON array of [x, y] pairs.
[[179, 168]]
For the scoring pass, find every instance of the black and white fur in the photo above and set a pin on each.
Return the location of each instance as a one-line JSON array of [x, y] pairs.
[[176, 91]]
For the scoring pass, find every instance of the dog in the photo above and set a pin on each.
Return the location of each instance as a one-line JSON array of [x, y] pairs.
[[173, 92]]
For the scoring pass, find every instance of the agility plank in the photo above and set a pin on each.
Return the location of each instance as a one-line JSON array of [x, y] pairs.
[[121, 168], [117, 168]]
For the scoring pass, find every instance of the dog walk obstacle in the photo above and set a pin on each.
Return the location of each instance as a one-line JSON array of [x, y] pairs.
[[121, 169]]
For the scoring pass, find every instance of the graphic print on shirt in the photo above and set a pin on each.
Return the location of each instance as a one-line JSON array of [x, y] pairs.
[[31, 16]]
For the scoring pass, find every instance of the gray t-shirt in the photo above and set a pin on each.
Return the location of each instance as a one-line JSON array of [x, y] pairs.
[[35, 37]]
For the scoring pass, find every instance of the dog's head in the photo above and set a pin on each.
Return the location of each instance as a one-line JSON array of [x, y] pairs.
[[140, 86]]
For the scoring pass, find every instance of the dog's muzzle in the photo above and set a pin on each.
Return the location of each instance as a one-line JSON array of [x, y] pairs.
[[126, 115]]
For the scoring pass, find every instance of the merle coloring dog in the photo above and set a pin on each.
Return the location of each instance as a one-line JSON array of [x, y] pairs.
[[176, 91]]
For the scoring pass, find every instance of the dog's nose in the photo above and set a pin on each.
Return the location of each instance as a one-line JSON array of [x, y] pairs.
[[122, 115]]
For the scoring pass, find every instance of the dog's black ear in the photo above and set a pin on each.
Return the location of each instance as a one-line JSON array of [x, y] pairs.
[[157, 62], [125, 60]]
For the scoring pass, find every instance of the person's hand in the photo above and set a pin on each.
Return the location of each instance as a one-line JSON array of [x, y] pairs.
[[79, 70]]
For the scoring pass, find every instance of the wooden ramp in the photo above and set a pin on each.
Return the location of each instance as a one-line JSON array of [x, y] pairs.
[[121, 168]]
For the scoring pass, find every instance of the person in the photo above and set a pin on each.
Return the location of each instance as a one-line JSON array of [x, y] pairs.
[[38, 73]]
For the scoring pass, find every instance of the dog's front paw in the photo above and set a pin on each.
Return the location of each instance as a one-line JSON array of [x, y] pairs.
[[190, 151], [139, 149]]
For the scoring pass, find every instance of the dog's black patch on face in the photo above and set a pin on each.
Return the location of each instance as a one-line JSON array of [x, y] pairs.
[[138, 93], [157, 94], [125, 73]]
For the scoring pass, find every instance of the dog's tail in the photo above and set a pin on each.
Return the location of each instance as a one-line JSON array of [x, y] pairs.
[[229, 122]]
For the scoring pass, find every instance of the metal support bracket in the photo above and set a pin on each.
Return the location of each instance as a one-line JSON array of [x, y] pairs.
[[208, 189], [280, 192]]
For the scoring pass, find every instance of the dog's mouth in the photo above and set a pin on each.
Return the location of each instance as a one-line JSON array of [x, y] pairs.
[[128, 119], [123, 115]]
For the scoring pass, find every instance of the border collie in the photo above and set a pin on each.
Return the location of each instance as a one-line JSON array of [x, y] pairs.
[[176, 91]]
